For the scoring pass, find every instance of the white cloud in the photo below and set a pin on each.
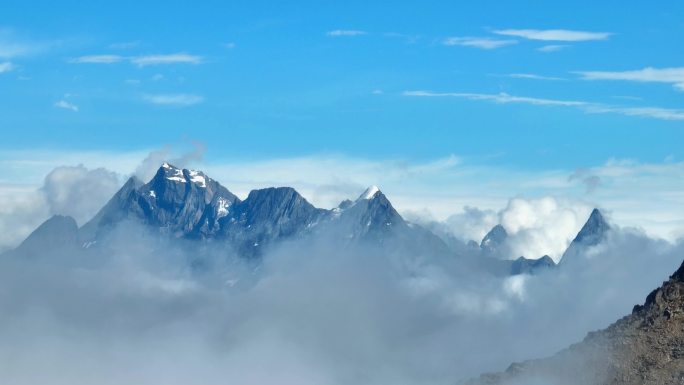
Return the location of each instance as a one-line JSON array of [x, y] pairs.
[[554, 34], [230, 45], [97, 59], [542, 226], [478, 42], [141, 61], [166, 59], [174, 99], [13, 46], [79, 192], [646, 112], [6, 67], [552, 48], [66, 105], [498, 98], [346, 32], [673, 75], [534, 77], [589, 107]]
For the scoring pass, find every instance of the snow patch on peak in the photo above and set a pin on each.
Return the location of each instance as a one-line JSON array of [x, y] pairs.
[[197, 177], [177, 175], [369, 193]]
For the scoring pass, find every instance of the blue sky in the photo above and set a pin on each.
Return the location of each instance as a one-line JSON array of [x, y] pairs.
[[443, 104], [264, 79]]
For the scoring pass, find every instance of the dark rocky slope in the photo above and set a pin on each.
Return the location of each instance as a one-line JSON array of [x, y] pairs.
[[645, 347]]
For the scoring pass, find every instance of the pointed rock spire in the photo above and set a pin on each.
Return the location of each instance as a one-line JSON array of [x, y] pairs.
[[592, 233], [494, 238]]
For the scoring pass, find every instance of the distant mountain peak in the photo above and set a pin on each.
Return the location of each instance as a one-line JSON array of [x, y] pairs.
[[181, 175], [494, 240], [370, 193], [591, 234]]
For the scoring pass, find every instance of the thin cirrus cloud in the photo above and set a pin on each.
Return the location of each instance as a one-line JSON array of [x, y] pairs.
[[588, 107], [535, 77], [479, 42], [6, 67], [552, 48], [178, 100], [141, 61], [346, 32], [166, 59], [63, 104], [674, 76], [554, 34], [14, 46], [97, 59]]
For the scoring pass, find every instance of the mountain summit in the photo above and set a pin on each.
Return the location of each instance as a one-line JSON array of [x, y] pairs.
[[592, 233], [179, 202]]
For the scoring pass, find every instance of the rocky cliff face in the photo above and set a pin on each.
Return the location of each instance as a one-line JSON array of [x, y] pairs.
[[645, 347]]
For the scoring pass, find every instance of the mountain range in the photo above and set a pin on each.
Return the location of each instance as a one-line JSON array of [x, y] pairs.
[[187, 204]]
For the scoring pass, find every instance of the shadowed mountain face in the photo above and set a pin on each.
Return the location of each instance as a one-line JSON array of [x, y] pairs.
[[178, 202], [494, 239], [182, 203], [523, 265], [56, 235], [592, 233], [645, 347]]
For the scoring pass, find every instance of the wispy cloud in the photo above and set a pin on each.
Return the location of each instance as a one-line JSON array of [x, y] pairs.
[[674, 76], [166, 59], [498, 98], [534, 77], [346, 32], [13, 46], [554, 34], [588, 107], [66, 105], [479, 42], [6, 67], [180, 100], [648, 112], [141, 61], [97, 59], [553, 48]]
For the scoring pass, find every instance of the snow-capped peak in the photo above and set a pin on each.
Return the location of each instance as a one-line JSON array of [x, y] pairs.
[[369, 193]]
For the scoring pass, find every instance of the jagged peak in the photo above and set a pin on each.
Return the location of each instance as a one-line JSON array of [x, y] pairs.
[[256, 193], [596, 215], [494, 237], [595, 226], [181, 175], [370, 193]]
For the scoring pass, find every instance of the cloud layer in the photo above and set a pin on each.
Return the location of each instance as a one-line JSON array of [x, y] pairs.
[[311, 314]]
